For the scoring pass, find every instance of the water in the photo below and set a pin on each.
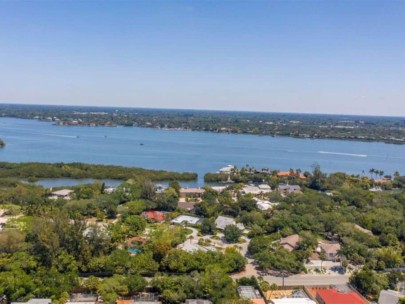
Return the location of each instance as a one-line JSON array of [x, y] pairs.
[[31, 140]]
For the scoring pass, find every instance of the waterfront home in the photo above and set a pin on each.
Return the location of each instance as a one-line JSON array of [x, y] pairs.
[[290, 242], [186, 220], [222, 221], [64, 194], [186, 206]]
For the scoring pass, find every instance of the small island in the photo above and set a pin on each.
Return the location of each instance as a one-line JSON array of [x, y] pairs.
[[2, 143]]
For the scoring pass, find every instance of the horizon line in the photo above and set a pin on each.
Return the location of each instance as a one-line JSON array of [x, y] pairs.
[[199, 110]]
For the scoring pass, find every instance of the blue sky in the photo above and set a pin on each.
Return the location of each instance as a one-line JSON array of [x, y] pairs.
[[282, 56]]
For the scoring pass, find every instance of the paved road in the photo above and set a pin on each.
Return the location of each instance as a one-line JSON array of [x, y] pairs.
[[309, 279]]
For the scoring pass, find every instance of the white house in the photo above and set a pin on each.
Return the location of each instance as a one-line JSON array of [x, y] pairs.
[[186, 219]]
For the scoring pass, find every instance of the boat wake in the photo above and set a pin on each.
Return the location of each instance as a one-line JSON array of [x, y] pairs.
[[345, 154], [60, 135]]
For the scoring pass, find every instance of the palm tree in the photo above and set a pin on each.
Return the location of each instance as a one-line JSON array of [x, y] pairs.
[[322, 257], [371, 171]]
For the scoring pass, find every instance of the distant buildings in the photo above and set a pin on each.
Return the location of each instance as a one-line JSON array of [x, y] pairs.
[[35, 301], [290, 174], [256, 190]]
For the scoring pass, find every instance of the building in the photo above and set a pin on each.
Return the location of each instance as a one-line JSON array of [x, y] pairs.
[[250, 293], [334, 296], [256, 190], [290, 174], [186, 219], [64, 194], [331, 250], [154, 216], [390, 297], [197, 301], [264, 205], [35, 301], [186, 206], [222, 221], [83, 298], [290, 242], [191, 192], [293, 301], [193, 247], [289, 189]]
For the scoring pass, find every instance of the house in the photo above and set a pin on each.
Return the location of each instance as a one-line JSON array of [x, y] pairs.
[[290, 174], [256, 190], [264, 205], [222, 221], [290, 242], [197, 301], [334, 296], [191, 192], [390, 297], [331, 250], [35, 301], [219, 188], [154, 216], [250, 293], [293, 301], [193, 247], [186, 219], [186, 206], [137, 239], [83, 298], [289, 189], [109, 190], [64, 194]]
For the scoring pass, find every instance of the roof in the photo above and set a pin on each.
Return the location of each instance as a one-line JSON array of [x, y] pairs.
[[222, 221], [130, 301], [138, 239], [333, 296], [289, 188], [264, 187], [293, 301], [186, 205], [329, 248], [63, 192], [83, 297], [192, 191], [191, 247], [248, 292], [185, 219], [289, 173], [197, 301], [36, 301], [155, 215], [389, 297], [290, 242]]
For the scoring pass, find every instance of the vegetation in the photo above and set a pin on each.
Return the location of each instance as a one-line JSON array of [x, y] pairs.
[[2, 143], [360, 128], [81, 170], [48, 246]]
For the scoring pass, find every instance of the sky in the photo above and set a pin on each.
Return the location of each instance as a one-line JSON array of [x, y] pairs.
[[276, 56]]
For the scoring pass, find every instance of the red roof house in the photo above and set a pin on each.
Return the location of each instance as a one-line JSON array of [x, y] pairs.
[[333, 296], [157, 216]]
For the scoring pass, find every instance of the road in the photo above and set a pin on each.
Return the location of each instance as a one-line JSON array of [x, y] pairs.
[[309, 279]]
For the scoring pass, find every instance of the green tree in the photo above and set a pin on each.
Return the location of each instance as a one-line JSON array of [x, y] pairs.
[[232, 233]]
